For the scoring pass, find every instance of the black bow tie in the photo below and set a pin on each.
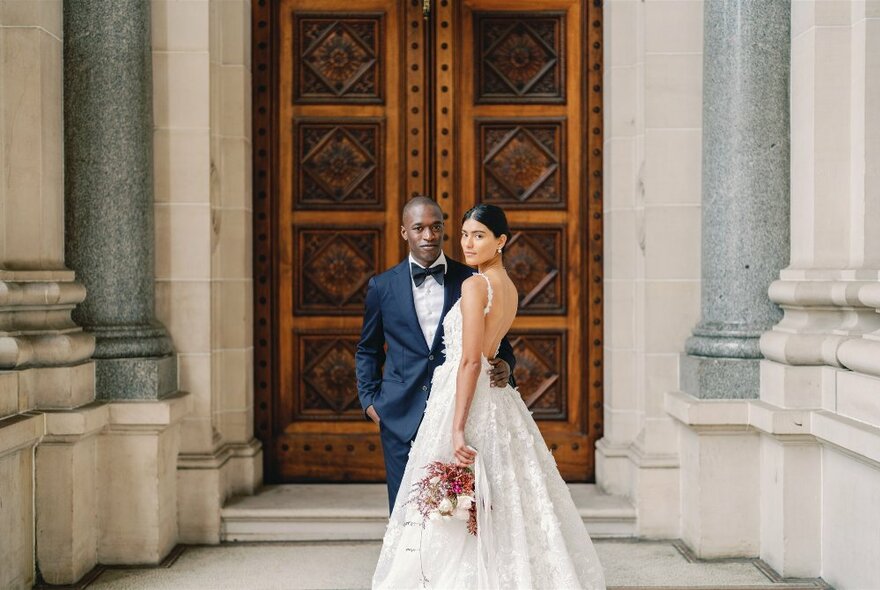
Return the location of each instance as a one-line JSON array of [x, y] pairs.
[[419, 274]]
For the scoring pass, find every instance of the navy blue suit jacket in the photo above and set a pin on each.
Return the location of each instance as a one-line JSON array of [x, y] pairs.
[[400, 390]]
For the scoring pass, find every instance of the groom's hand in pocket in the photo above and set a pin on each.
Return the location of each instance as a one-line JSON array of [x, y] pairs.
[[499, 373], [374, 416]]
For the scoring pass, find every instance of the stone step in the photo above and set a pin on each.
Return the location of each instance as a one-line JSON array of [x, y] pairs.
[[333, 512]]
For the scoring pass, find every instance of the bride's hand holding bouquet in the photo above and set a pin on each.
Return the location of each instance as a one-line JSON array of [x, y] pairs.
[[464, 454]]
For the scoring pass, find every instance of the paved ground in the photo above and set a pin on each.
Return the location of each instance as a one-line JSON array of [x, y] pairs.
[[349, 565]]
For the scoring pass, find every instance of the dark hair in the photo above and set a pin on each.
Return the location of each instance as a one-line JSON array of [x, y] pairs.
[[492, 217]]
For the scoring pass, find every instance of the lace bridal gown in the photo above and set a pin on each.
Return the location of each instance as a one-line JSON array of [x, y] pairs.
[[533, 536]]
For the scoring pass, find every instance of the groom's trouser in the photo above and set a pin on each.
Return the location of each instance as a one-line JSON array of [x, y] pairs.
[[396, 453]]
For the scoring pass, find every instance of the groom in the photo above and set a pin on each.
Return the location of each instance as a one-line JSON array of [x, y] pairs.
[[402, 337]]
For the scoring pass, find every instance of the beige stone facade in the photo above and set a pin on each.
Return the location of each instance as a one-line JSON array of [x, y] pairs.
[[792, 477], [87, 482]]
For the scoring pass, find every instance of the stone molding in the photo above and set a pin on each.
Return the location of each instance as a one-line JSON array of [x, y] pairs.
[[207, 480], [137, 479], [20, 432], [218, 458], [73, 426], [67, 521], [137, 417], [637, 455], [857, 439], [36, 329], [44, 388], [863, 354], [821, 316]]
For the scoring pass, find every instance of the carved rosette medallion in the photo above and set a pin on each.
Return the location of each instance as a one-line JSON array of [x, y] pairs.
[[540, 372], [534, 258], [338, 58], [340, 165], [334, 267], [521, 164], [520, 58], [327, 379]]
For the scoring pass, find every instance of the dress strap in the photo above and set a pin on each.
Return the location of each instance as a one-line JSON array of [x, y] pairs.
[[488, 284]]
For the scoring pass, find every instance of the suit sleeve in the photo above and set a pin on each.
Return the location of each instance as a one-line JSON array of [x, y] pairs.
[[505, 353], [370, 354]]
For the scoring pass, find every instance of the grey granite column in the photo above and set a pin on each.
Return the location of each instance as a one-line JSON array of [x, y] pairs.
[[745, 239], [108, 153]]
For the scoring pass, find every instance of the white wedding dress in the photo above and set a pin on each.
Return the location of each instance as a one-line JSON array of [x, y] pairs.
[[532, 537]]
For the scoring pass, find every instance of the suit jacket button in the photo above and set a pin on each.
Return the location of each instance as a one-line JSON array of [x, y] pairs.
[[431, 358], [424, 388]]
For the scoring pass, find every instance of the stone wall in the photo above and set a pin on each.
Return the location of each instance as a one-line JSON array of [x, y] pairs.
[[793, 476], [36, 291], [653, 85], [88, 482], [202, 89]]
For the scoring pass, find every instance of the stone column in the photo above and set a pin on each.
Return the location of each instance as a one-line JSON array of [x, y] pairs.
[[745, 230], [109, 193]]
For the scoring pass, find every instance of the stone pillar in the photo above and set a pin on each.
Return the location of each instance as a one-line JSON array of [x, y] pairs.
[[745, 243], [823, 357], [745, 231], [44, 355], [109, 194]]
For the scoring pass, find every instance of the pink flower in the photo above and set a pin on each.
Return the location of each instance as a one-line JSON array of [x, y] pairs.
[[446, 490]]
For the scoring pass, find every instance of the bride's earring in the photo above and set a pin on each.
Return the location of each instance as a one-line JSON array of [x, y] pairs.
[[499, 250]]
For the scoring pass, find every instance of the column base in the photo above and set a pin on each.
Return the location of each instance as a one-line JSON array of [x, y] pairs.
[[720, 472], [657, 494], [720, 378], [67, 493], [137, 480], [205, 481], [717, 339], [791, 491], [613, 468], [861, 354], [37, 331], [18, 436], [139, 378], [649, 480], [113, 342]]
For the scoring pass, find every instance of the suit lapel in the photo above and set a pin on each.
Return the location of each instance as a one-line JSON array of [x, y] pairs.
[[403, 292]]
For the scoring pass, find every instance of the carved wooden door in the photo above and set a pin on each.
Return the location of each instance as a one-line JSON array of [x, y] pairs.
[[360, 104]]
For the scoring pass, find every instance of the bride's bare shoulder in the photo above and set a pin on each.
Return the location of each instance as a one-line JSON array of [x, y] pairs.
[[475, 286]]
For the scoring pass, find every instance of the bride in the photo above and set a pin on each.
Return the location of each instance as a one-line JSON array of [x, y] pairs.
[[529, 534]]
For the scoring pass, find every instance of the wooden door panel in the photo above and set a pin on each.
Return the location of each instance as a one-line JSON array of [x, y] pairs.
[[542, 377], [323, 255], [338, 56], [520, 79], [361, 104], [535, 259], [518, 57], [340, 163], [521, 163], [341, 155]]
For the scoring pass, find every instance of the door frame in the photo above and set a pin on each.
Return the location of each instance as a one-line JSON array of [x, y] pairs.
[[264, 92]]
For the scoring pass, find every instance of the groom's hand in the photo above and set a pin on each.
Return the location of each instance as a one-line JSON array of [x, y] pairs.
[[374, 416], [499, 374]]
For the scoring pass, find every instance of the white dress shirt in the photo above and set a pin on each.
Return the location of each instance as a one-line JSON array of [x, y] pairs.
[[429, 299]]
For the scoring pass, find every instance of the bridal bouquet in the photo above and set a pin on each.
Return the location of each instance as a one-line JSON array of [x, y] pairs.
[[446, 492]]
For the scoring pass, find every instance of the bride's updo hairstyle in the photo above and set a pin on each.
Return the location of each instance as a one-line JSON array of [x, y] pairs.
[[492, 217]]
